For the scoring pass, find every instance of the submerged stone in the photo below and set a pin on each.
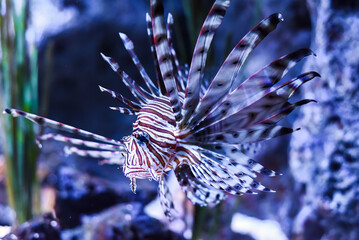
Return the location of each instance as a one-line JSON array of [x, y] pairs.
[[42, 228], [124, 221], [79, 194]]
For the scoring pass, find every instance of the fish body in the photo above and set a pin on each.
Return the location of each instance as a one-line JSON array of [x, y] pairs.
[[184, 126], [152, 145]]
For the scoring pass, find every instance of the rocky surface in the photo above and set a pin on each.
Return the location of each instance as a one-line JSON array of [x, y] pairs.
[[124, 221], [7, 216], [78, 194], [324, 157], [43, 228]]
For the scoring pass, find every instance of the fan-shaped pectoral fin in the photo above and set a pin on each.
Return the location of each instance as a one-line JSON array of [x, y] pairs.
[[197, 192]]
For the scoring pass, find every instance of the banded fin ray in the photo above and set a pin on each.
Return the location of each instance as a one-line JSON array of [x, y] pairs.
[[205, 177], [288, 89], [80, 142], [243, 136], [210, 25], [239, 158], [288, 108], [256, 108], [196, 191], [259, 84], [122, 99], [227, 162], [123, 110], [160, 83], [130, 49], [223, 81], [177, 71], [45, 122], [165, 198], [208, 178], [214, 174], [219, 177], [234, 176], [164, 56], [136, 90], [96, 154], [256, 84], [265, 78]]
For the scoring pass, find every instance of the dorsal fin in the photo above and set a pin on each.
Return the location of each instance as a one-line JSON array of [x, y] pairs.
[[256, 84], [160, 83], [210, 25], [164, 56], [227, 74], [130, 49]]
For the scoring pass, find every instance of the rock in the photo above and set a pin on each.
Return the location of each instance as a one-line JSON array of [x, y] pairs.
[[123, 221], [43, 227], [7, 216], [324, 156], [241, 236], [79, 194]]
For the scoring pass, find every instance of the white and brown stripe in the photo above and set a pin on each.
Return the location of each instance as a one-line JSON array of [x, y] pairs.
[[153, 142], [164, 56], [224, 79], [130, 48], [136, 90], [210, 25], [160, 83]]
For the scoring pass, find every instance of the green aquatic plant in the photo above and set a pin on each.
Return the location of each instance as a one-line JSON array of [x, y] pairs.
[[18, 86]]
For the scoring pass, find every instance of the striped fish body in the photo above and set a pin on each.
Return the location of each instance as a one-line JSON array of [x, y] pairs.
[[152, 146], [184, 126]]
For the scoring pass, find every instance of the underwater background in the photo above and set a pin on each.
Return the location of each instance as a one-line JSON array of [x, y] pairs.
[[317, 197]]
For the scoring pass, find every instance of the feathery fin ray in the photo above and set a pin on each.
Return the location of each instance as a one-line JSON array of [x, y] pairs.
[[164, 56], [45, 122], [224, 79], [204, 40]]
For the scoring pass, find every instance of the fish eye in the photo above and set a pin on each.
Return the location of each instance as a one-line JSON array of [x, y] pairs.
[[142, 137]]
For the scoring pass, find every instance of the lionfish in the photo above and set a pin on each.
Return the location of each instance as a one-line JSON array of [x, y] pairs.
[[182, 125]]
